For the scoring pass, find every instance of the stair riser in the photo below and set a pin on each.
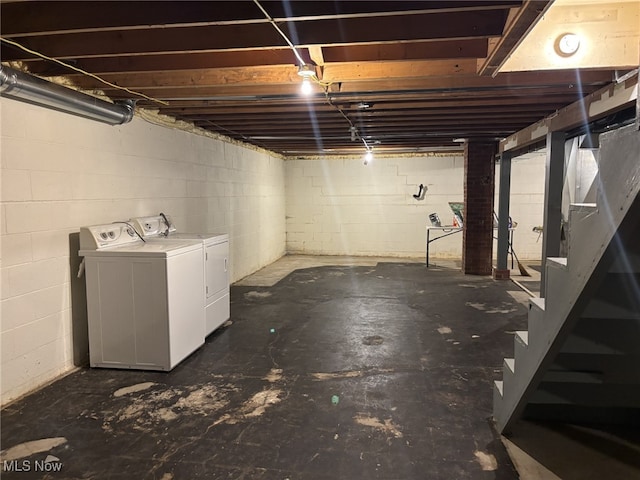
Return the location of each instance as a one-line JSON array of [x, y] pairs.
[[537, 324], [558, 289]]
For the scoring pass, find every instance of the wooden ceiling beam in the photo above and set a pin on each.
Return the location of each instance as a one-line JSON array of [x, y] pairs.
[[141, 42], [550, 96], [168, 62], [58, 17], [451, 85], [482, 24], [572, 79], [605, 101], [278, 74], [316, 54], [301, 122], [400, 28], [437, 49], [274, 56], [293, 118], [273, 115], [433, 128], [516, 29]]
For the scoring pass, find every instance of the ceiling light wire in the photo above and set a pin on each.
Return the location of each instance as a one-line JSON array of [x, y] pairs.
[[303, 63], [84, 72], [282, 34], [352, 128]]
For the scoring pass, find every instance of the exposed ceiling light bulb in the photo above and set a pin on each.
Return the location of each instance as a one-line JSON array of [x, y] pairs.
[[353, 133], [306, 87], [306, 72], [368, 157]]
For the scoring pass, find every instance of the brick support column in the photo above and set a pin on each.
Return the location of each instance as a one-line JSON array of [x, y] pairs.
[[479, 179]]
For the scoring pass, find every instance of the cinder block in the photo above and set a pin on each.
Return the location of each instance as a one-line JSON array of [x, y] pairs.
[[16, 185]]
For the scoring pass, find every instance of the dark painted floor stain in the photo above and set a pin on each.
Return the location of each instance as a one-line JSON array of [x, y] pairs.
[[256, 402]]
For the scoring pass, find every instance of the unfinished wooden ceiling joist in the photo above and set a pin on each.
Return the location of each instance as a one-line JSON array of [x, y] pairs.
[[410, 76]]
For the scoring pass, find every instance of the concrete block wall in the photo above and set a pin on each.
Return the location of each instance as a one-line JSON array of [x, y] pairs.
[[61, 172], [526, 202], [342, 207]]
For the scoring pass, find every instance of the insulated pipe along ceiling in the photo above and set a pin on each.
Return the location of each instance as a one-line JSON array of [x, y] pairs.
[[27, 88]]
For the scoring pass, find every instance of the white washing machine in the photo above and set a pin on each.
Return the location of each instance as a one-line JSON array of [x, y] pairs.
[[215, 247], [144, 299]]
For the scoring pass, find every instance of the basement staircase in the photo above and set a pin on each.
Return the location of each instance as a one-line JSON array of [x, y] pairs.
[[579, 360]]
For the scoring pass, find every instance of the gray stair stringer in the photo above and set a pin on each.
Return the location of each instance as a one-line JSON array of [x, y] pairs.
[[575, 280]]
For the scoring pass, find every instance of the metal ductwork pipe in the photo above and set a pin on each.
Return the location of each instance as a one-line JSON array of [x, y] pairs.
[[27, 88]]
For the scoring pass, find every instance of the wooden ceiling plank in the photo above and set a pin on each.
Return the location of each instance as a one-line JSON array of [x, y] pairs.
[[521, 23], [167, 62], [362, 71], [352, 78], [503, 80], [256, 36], [58, 17], [434, 126], [33, 17], [278, 74], [140, 42], [417, 116], [437, 49], [551, 95], [245, 95], [399, 28], [296, 112], [609, 99], [306, 10], [316, 54]]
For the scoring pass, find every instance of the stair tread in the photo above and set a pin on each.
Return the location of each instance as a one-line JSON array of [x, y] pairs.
[[499, 385], [523, 336], [510, 363], [562, 261], [538, 302]]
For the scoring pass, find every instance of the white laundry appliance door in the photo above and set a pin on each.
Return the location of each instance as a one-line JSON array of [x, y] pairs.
[[127, 310], [217, 285]]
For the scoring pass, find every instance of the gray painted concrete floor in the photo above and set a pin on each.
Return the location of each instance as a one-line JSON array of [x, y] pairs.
[[335, 372], [352, 369], [538, 451]]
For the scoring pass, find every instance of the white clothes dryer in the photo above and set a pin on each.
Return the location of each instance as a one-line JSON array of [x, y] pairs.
[[160, 228]]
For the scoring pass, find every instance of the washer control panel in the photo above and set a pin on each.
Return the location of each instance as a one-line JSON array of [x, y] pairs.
[[153, 226], [109, 235]]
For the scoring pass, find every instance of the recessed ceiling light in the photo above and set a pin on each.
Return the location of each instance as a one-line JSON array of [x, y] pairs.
[[567, 44]]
